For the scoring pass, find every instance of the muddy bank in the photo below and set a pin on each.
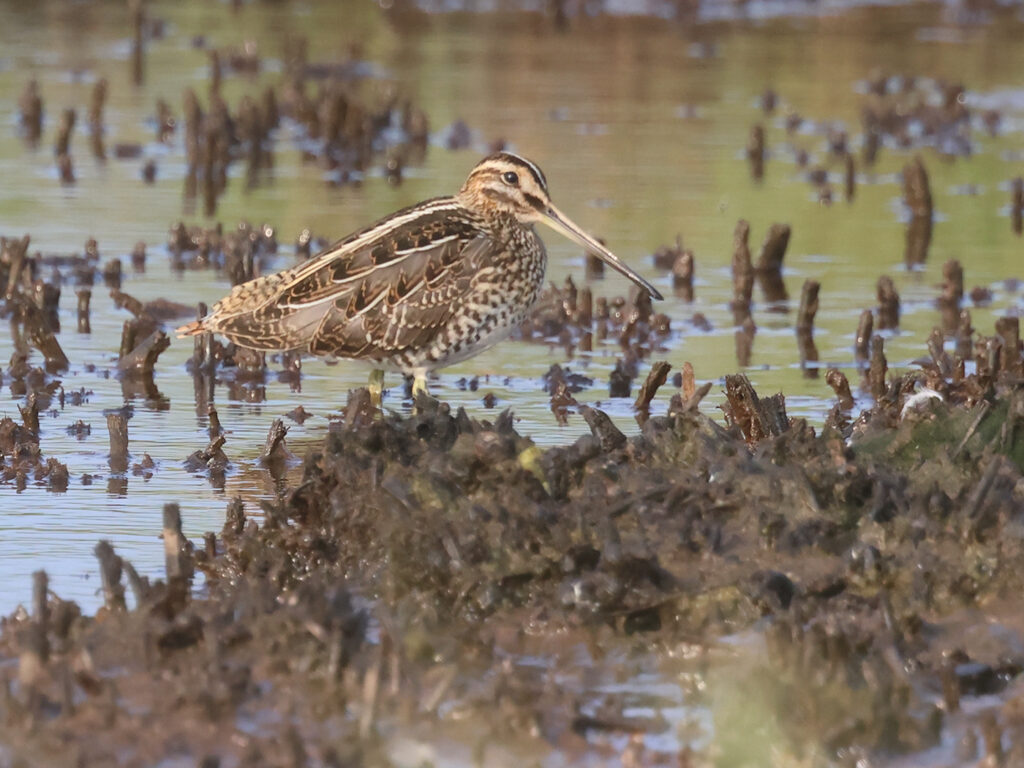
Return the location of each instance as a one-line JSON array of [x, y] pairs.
[[436, 574]]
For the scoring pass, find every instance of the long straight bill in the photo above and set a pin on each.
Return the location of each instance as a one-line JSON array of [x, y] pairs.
[[555, 219]]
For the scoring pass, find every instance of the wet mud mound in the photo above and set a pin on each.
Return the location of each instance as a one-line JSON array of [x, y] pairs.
[[436, 573]]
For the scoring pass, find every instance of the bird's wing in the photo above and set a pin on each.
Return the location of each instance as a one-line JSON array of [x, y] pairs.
[[360, 281], [408, 305]]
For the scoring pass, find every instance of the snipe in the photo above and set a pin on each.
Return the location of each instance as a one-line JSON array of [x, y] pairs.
[[421, 289]]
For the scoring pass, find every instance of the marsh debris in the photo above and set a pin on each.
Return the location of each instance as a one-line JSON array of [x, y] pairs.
[[805, 328], [888, 310], [917, 111], [465, 529], [850, 177], [210, 460], [299, 414], [862, 338], [756, 152], [755, 417], [839, 383], [656, 377], [30, 112], [275, 455], [769, 267], [918, 199], [620, 380], [572, 318], [117, 427]]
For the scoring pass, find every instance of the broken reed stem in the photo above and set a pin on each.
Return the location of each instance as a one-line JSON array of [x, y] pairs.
[[964, 336], [199, 341], [124, 300], [128, 333], [808, 305], [139, 257], [917, 193], [918, 198], [862, 342], [215, 428], [137, 18], [65, 130], [888, 304], [953, 282], [40, 606], [688, 381], [84, 298], [655, 378], [1008, 329], [942, 361], [682, 275], [805, 327], [742, 270], [17, 258], [561, 401], [30, 413], [879, 367], [757, 418], [688, 398], [141, 360], [601, 426], [30, 107], [117, 426], [850, 178], [769, 263], [110, 576], [177, 557], [841, 386], [274, 449], [620, 380], [756, 152], [744, 337], [43, 339]]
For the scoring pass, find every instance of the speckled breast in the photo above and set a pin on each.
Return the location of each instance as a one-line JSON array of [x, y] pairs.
[[501, 296]]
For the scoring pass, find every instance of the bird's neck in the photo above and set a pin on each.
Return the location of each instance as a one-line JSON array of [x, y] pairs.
[[500, 223]]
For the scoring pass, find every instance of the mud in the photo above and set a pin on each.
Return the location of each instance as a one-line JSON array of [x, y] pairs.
[[422, 559]]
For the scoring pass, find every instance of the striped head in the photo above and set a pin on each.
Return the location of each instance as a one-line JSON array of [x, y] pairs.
[[505, 184]]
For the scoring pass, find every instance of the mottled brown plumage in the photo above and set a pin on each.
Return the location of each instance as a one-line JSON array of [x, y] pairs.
[[424, 288]]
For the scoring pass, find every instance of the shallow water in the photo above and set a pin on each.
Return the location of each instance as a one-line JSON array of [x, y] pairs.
[[639, 124]]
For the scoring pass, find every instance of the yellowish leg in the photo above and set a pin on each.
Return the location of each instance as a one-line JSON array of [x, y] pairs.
[[419, 385], [376, 387]]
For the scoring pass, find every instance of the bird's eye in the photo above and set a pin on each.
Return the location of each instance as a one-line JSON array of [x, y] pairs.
[[510, 177]]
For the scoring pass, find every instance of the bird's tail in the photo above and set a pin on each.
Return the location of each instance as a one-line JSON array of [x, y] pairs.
[[191, 329]]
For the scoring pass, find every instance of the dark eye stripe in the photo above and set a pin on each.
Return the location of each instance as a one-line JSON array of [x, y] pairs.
[[533, 200]]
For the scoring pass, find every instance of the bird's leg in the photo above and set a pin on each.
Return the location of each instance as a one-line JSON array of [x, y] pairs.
[[376, 387], [419, 385]]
